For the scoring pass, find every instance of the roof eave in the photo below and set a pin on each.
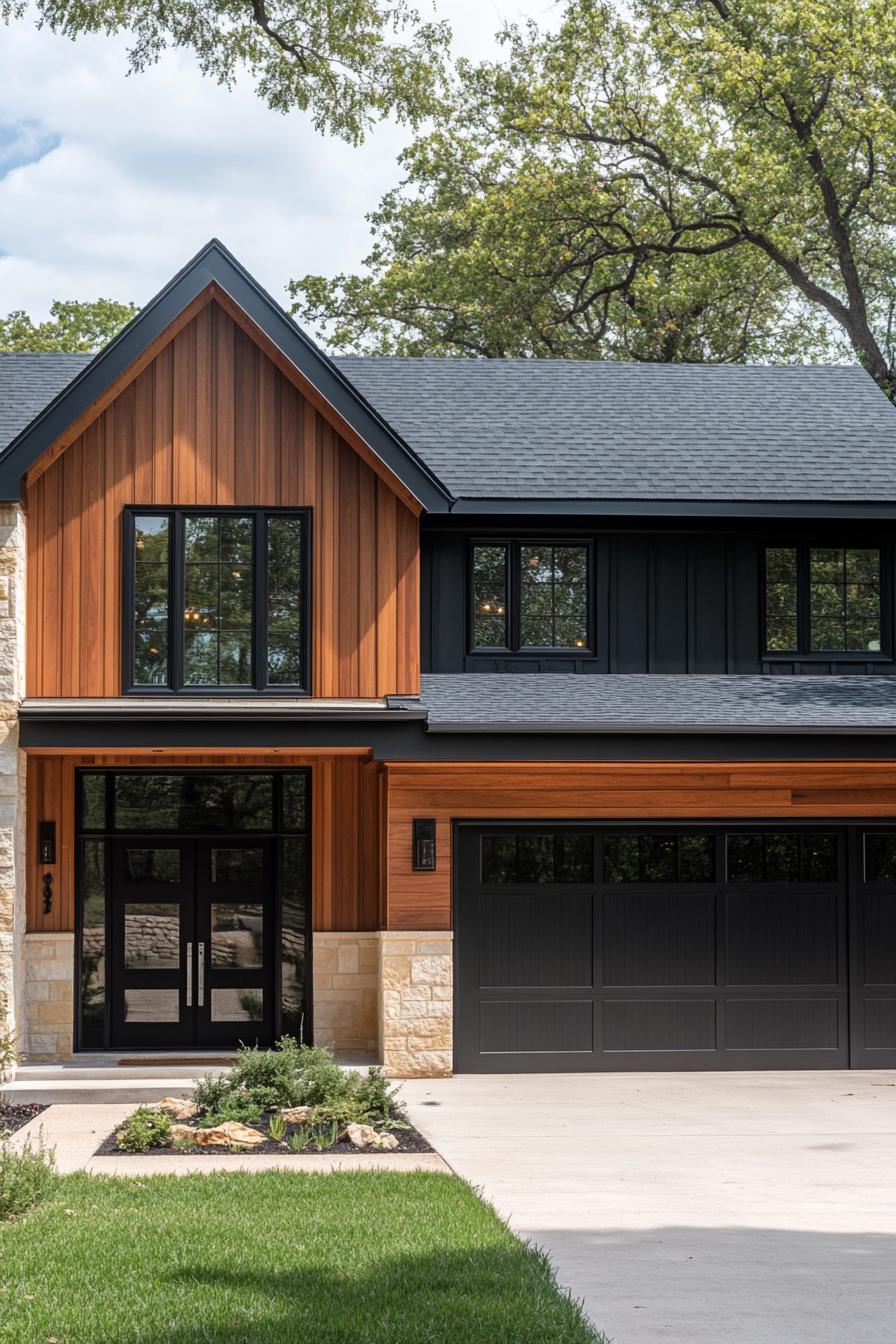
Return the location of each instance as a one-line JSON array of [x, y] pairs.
[[675, 508], [753, 729]]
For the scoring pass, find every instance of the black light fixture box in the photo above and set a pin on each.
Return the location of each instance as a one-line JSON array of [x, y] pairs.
[[424, 856]]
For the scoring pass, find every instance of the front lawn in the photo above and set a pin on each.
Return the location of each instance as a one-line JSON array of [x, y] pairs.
[[275, 1257]]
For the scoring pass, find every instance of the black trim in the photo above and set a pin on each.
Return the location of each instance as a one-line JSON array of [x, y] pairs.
[[214, 264], [673, 508], [406, 739], [176, 514]]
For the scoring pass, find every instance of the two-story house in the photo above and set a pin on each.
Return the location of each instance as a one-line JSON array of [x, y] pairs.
[[481, 715]]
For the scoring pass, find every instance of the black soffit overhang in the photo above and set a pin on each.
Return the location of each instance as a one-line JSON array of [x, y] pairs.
[[214, 264]]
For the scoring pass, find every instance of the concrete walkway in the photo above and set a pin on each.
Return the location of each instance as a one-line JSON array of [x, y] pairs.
[[752, 1208]]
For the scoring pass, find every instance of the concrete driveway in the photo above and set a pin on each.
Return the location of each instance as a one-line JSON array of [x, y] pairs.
[[744, 1208]]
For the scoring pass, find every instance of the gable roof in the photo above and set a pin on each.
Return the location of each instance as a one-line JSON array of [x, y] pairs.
[[526, 436], [575, 431], [556, 702], [215, 266]]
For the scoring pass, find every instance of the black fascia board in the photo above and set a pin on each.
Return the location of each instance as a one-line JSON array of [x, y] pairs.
[[408, 740], [215, 264], [468, 506]]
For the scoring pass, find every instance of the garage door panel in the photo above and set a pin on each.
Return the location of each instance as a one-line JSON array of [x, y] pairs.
[[536, 1026], [538, 940], [880, 937], [659, 937], [782, 937], [880, 1023], [782, 1024], [635, 1025]]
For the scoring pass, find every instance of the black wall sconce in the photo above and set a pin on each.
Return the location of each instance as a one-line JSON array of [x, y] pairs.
[[424, 856], [46, 856]]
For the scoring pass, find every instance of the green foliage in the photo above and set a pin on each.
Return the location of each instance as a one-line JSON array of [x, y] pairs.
[[348, 63], [146, 1128], [73, 327], [298, 1139], [27, 1176], [295, 1075], [656, 180], [8, 1051], [277, 1128]]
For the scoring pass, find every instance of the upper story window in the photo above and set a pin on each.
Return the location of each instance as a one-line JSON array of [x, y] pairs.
[[822, 599], [529, 597], [216, 600]]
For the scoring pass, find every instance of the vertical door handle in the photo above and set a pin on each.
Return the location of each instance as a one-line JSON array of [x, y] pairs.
[[189, 975], [201, 951]]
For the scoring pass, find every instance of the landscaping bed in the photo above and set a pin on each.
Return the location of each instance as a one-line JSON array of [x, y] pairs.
[[290, 1100], [13, 1117]]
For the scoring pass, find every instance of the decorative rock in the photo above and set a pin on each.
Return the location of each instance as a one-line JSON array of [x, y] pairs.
[[221, 1136], [178, 1107], [365, 1136], [296, 1115]]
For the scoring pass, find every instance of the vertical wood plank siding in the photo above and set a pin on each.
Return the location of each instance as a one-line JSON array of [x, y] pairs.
[[211, 421], [539, 791], [345, 831]]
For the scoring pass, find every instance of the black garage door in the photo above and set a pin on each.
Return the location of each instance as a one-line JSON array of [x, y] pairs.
[[615, 947]]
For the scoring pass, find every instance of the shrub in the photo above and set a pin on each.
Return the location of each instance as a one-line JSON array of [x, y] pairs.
[[212, 1092], [234, 1107], [8, 1052], [269, 1078], [27, 1176], [146, 1128]]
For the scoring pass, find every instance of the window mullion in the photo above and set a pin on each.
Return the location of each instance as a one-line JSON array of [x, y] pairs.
[[259, 603], [176, 589], [514, 567], [804, 600]]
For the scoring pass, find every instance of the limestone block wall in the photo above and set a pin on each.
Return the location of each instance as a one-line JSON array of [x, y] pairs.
[[49, 966], [345, 987], [416, 1006], [12, 765]]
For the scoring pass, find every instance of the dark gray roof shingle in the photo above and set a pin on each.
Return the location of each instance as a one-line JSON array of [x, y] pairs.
[[576, 430], [557, 702], [567, 429], [28, 383]]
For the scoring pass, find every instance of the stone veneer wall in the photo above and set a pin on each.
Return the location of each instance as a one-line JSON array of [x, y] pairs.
[[345, 990], [49, 995], [12, 765], [416, 1014]]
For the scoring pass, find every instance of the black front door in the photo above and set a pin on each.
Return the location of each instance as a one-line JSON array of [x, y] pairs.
[[192, 942]]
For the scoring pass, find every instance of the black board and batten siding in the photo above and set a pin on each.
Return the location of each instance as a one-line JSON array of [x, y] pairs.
[[668, 600]]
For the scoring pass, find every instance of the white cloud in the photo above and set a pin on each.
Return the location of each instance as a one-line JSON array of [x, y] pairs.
[[110, 182]]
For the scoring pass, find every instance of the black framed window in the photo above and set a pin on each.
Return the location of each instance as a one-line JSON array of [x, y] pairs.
[[216, 600], [823, 600], [529, 596]]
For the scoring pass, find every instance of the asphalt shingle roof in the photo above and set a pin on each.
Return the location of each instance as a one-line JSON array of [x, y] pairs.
[[577, 430], [557, 702], [28, 383], [570, 429]]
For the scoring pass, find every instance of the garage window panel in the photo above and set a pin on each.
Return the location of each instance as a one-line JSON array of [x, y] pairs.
[[781, 856], [537, 858], [659, 858]]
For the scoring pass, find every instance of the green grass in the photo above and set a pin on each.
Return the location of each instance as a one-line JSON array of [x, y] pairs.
[[271, 1257]]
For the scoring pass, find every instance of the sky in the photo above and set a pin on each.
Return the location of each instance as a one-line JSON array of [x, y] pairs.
[[109, 182]]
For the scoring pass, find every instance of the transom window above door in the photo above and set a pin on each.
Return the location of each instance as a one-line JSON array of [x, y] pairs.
[[216, 600], [531, 597], [823, 600]]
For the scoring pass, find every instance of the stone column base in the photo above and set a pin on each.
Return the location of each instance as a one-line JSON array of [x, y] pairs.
[[49, 995], [345, 992], [416, 1009]]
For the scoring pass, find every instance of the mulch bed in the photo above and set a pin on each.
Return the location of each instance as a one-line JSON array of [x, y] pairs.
[[409, 1141], [14, 1117]]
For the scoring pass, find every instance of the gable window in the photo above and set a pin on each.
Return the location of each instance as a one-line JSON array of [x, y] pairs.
[[216, 599], [533, 597], [822, 599]]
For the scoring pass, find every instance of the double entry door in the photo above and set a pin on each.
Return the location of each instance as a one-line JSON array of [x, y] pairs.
[[192, 942]]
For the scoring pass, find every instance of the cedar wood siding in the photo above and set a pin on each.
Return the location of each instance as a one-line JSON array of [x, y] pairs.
[[344, 830], [211, 420], [638, 792]]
